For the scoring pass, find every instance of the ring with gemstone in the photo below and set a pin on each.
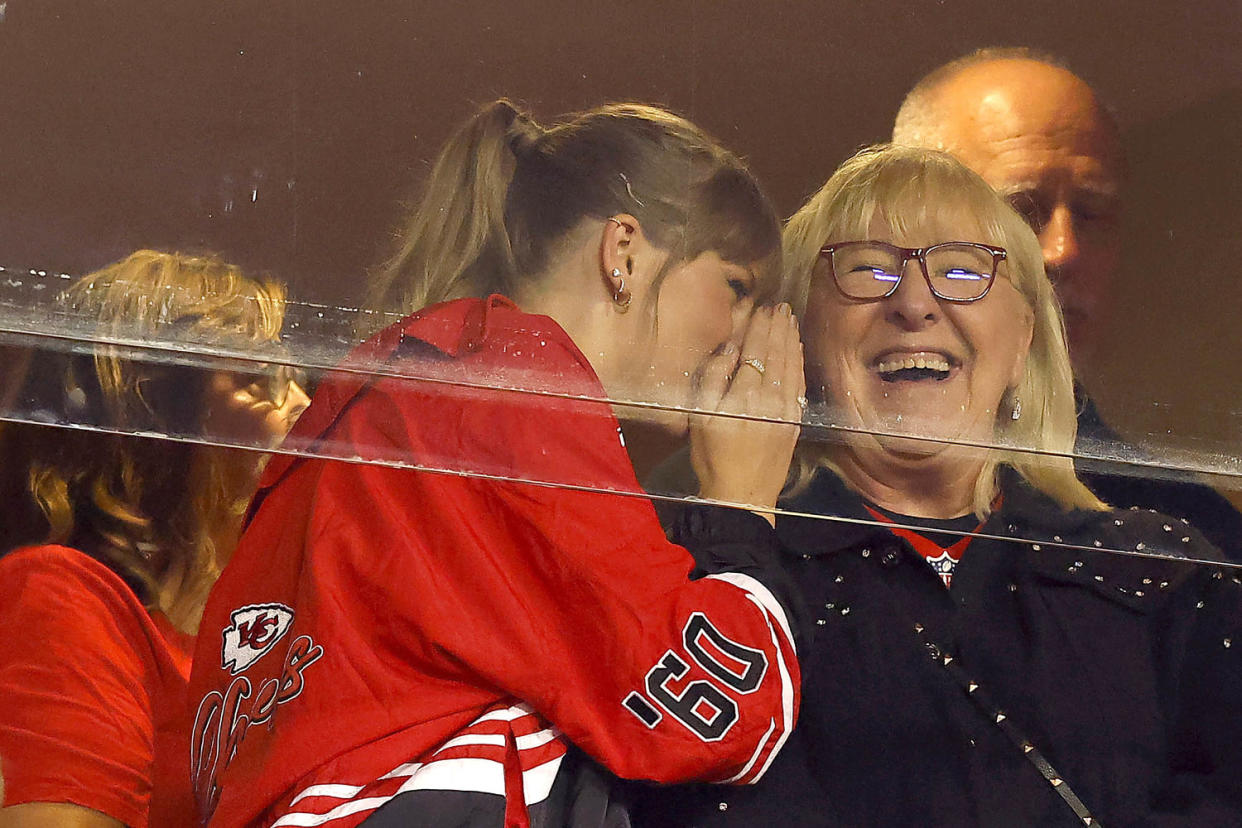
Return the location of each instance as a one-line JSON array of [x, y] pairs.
[[756, 363]]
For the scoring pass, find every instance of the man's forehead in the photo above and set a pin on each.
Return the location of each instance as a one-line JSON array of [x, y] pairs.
[[1022, 108]]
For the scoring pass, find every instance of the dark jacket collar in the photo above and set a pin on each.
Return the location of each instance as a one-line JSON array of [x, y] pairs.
[[1060, 546], [1025, 512]]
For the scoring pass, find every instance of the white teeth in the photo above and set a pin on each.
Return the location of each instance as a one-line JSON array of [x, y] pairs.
[[923, 360]]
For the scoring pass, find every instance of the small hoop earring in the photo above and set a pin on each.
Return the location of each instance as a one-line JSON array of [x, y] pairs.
[[1017, 408], [620, 297]]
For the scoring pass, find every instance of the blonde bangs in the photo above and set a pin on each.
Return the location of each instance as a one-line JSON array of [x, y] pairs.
[[151, 295]]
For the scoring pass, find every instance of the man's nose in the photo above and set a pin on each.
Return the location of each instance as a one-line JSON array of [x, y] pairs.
[[913, 306], [1059, 239]]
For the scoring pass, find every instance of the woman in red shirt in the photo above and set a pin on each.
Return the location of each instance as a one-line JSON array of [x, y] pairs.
[[413, 637], [98, 616]]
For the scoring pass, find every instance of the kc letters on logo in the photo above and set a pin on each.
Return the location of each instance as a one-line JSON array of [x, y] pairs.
[[223, 718], [255, 630]]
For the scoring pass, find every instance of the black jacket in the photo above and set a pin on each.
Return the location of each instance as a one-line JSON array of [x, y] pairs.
[[1122, 672], [1124, 485]]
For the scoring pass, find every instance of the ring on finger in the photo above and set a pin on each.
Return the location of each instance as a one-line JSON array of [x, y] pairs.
[[803, 402], [756, 363]]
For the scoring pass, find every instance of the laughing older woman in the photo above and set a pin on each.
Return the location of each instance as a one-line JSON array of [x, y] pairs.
[[980, 658]]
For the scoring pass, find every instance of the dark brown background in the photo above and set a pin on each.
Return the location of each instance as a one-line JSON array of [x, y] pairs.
[[127, 124]]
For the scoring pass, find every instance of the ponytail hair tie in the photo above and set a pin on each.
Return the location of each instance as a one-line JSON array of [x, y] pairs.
[[523, 132]]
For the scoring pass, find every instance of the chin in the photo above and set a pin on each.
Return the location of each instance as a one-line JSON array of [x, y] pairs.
[[912, 448], [921, 438]]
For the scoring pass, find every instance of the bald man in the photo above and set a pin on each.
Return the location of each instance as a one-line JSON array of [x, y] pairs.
[[1039, 135]]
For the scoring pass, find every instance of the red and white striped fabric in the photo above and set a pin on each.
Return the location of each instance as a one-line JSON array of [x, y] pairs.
[[508, 752]]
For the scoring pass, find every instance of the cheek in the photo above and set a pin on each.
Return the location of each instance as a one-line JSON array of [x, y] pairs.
[[706, 330], [997, 340], [694, 323], [1103, 257], [828, 331]]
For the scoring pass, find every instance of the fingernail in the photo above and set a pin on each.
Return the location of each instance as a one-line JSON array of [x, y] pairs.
[[784, 308]]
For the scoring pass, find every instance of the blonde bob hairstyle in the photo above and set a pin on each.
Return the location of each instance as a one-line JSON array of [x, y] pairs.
[[912, 188], [158, 513]]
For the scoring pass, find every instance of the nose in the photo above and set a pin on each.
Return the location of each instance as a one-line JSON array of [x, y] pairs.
[[913, 306], [1059, 240], [296, 401]]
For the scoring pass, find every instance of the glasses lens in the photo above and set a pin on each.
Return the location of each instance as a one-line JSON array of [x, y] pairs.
[[960, 271], [866, 271]]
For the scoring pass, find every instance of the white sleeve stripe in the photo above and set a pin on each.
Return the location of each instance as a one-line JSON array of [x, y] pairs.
[[468, 775], [530, 740], [508, 714], [537, 782], [787, 693], [761, 595], [534, 740], [408, 769], [786, 710], [496, 739], [770, 608], [334, 791], [754, 757], [301, 818]]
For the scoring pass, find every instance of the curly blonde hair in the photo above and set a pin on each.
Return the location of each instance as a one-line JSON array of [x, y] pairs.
[[156, 512]]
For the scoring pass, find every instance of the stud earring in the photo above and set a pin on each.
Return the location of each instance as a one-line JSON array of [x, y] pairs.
[[1017, 408], [620, 297]]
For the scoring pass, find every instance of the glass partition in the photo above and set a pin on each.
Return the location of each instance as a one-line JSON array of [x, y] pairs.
[[293, 139]]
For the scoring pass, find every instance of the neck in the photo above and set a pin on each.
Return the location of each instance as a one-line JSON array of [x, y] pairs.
[[608, 341], [218, 512], [565, 294], [917, 487]]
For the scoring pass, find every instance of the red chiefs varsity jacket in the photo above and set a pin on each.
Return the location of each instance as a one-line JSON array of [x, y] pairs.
[[438, 617]]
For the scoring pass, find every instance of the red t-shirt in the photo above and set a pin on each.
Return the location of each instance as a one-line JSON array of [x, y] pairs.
[[383, 629], [92, 688]]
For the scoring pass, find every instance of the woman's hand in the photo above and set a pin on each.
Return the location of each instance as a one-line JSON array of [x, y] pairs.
[[739, 458]]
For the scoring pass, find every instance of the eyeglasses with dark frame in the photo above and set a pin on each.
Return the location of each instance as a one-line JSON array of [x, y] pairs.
[[867, 271]]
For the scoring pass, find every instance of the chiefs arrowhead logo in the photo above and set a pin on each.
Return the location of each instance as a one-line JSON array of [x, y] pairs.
[[255, 630]]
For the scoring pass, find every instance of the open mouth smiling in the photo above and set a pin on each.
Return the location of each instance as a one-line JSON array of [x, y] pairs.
[[914, 366]]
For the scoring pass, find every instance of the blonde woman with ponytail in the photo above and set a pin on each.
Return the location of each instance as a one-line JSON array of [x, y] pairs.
[[443, 636], [121, 536]]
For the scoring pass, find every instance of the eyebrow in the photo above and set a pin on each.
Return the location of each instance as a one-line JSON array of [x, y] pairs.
[[1106, 189]]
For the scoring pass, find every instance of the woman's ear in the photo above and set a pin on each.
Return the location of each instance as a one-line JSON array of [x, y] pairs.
[[628, 260], [617, 242], [1023, 351]]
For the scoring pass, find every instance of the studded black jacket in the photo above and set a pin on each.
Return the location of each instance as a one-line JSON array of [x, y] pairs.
[[1050, 667]]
